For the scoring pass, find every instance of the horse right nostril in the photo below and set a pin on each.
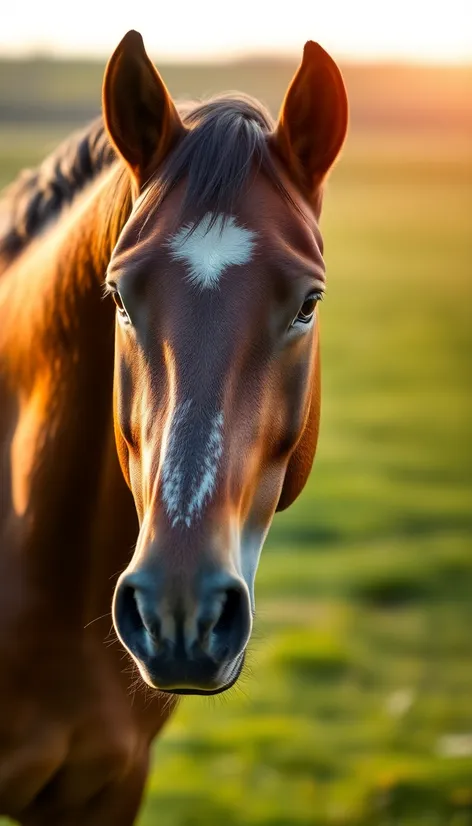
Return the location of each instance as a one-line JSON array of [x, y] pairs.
[[131, 619], [126, 614]]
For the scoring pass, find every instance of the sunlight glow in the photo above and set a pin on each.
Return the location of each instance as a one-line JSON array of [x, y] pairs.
[[210, 29]]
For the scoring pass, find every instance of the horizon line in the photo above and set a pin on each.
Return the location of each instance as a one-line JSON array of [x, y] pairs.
[[240, 56]]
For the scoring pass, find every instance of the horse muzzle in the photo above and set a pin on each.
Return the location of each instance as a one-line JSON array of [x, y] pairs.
[[185, 640]]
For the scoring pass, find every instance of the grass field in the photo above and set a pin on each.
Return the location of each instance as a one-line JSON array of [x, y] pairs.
[[357, 706]]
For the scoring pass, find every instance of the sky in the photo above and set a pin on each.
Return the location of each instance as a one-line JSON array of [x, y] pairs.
[[420, 30]]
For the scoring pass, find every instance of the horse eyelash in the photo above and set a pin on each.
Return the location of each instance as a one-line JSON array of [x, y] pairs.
[[108, 288]]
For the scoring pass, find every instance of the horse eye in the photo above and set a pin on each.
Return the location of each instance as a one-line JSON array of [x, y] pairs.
[[120, 306], [307, 309]]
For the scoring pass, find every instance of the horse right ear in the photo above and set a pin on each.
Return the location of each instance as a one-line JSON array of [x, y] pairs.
[[139, 114]]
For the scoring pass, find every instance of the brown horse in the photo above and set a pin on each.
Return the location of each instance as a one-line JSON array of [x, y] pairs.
[[155, 439]]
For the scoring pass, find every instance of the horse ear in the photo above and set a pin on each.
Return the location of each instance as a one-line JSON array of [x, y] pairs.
[[139, 114], [313, 119], [301, 460]]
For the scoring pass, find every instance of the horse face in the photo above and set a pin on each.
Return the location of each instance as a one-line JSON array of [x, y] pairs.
[[216, 387]]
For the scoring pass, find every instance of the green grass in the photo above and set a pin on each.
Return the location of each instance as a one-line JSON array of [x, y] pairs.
[[358, 696]]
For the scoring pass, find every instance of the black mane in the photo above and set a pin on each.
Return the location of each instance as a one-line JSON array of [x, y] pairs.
[[227, 143], [38, 195]]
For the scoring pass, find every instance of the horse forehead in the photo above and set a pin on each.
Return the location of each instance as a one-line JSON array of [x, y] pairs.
[[261, 229], [212, 245]]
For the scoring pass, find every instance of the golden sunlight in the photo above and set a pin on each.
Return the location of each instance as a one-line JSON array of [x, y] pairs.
[[418, 30]]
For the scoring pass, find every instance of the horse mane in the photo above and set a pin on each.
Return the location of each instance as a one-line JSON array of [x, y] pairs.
[[38, 195], [225, 146]]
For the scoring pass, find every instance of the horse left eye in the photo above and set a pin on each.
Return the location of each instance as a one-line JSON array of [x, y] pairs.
[[307, 309]]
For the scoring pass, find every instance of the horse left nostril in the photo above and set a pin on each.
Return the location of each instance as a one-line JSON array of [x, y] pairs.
[[229, 614], [224, 630]]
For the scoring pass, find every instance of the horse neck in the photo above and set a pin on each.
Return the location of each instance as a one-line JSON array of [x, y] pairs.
[[59, 343]]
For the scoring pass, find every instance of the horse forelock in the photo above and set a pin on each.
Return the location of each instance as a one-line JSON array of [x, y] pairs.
[[225, 146]]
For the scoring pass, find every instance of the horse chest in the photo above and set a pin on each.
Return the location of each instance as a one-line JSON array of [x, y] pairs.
[[69, 726], [66, 745]]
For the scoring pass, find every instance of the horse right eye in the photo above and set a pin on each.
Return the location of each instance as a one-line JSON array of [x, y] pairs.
[[120, 307]]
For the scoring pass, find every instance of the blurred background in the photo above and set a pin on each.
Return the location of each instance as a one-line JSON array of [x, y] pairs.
[[356, 708]]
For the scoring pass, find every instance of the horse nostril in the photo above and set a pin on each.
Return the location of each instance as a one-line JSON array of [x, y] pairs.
[[131, 619], [227, 634], [127, 613], [231, 609]]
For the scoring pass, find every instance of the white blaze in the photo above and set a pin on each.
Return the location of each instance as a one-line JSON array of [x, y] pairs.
[[185, 497], [208, 250]]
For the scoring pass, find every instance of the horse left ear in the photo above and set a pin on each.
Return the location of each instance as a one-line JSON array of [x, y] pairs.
[[313, 120], [139, 114]]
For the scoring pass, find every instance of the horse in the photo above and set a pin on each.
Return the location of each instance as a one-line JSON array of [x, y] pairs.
[[160, 399]]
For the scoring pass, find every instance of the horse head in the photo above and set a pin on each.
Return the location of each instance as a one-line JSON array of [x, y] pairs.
[[216, 278]]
